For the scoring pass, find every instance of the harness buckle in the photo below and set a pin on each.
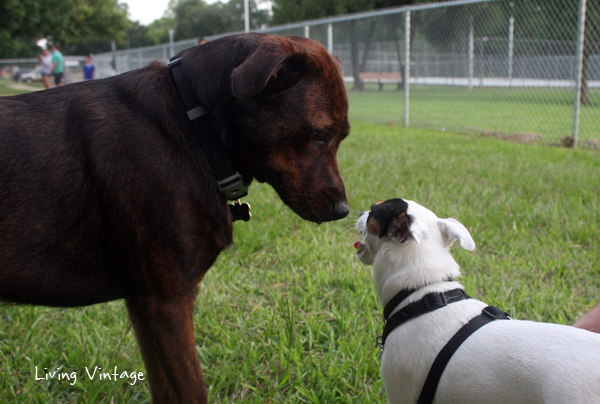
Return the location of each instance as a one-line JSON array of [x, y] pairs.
[[233, 187], [435, 300], [495, 313]]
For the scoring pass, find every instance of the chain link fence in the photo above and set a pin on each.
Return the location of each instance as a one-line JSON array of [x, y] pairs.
[[13, 68], [525, 70]]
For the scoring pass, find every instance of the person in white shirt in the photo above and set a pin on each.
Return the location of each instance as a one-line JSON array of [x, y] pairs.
[[46, 66]]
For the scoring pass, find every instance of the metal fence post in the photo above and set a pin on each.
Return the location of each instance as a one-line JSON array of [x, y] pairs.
[[471, 53], [511, 47], [579, 71], [171, 48], [113, 51], [406, 66], [307, 31], [330, 38], [246, 16]]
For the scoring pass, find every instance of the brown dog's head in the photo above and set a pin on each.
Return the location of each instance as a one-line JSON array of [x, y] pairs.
[[284, 117]]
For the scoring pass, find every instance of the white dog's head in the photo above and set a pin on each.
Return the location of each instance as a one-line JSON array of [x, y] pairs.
[[407, 224]]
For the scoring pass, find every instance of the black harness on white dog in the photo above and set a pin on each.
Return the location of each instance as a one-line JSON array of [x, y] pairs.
[[230, 182], [429, 303]]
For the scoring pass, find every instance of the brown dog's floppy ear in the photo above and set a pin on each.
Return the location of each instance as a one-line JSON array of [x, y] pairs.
[[269, 70]]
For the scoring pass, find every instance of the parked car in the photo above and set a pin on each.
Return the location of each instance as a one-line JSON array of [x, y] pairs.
[[17, 75], [30, 77]]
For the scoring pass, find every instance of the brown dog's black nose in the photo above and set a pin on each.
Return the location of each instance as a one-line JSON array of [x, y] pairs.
[[340, 210]]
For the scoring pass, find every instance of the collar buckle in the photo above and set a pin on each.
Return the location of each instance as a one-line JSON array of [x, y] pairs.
[[233, 187], [175, 60]]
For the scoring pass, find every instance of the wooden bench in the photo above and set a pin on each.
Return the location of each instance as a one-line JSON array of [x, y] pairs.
[[382, 78]]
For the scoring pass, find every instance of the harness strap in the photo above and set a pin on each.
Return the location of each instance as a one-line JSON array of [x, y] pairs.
[[400, 297], [428, 303], [489, 314], [396, 300]]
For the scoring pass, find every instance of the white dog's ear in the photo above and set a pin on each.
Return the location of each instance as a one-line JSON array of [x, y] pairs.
[[418, 230], [453, 230], [405, 226]]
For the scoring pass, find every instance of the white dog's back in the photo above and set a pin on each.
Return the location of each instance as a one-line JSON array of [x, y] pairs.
[[504, 362], [524, 362]]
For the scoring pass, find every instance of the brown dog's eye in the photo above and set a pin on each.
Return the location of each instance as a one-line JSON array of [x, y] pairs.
[[321, 137]]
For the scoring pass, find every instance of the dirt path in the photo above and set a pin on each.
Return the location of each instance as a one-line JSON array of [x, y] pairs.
[[23, 87]]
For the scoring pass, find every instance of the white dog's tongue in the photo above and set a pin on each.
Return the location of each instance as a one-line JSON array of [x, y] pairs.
[[358, 245]]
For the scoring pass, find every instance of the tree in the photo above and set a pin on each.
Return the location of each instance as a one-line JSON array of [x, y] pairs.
[[232, 14], [137, 36], [25, 21], [158, 30], [286, 11], [196, 18], [15, 48], [65, 20]]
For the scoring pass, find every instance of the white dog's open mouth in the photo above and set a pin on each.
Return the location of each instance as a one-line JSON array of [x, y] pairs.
[[360, 247]]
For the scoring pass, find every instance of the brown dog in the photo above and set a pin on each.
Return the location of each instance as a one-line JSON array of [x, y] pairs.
[[105, 193]]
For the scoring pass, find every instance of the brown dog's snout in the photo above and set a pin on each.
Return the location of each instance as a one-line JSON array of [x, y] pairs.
[[340, 209]]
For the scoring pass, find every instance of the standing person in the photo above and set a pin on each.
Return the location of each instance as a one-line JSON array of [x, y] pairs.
[[89, 71], [46, 66], [58, 65]]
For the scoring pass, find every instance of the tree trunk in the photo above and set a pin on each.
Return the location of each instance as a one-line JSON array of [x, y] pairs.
[[363, 64], [354, 56]]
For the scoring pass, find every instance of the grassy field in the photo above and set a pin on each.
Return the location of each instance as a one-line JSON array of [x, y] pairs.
[[5, 87], [544, 115], [288, 314], [540, 115]]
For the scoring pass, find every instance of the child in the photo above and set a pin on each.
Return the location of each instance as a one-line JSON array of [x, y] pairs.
[[89, 71]]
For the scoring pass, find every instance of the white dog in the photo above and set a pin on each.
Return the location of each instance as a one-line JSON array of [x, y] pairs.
[[504, 361]]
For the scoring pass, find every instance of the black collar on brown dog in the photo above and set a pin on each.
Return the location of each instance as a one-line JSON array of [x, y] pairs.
[[230, 182]]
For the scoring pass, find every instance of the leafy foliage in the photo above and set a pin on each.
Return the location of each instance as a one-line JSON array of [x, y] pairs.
[[286, 11], [65, 20], [196, 18]]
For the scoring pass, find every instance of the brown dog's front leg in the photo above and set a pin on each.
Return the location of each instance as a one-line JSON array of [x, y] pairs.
[[165, 333]]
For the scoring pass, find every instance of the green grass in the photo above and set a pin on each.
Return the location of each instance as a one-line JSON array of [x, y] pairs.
[[288, 314], [6, 90], [542, 115], [545, 113]]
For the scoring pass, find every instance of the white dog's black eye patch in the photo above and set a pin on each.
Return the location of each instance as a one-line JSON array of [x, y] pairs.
[[390, 216]]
